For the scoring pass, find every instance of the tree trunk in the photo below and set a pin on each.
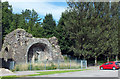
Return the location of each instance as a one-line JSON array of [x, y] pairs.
[[84, 58], [116, 57], [95, 60], [108, 59]]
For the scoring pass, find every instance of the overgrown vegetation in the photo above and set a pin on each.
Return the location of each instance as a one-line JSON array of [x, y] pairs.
[[47, 66], [85, 30]]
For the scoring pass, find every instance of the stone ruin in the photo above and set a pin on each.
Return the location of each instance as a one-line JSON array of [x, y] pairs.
[[20, 46]]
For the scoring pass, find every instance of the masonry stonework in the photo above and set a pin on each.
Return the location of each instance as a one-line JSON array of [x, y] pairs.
[[21, 46]]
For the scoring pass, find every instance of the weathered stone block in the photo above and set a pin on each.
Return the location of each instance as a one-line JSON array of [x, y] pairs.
[[21, 46]]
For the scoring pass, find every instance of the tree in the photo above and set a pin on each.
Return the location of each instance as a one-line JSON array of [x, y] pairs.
[[38, 31], [6, 17], [49, 26], [0, 25], [63, 36], [78, 29], [15, 22], [115, 26], [28, 20], [89, 26]]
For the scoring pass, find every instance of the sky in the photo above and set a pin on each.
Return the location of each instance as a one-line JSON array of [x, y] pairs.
[[42, 7]]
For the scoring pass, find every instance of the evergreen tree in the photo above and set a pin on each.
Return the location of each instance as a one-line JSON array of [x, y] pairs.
[[92, 29], [6, 17], [63, 36], [0, 25], [85, 29], [49, 26]]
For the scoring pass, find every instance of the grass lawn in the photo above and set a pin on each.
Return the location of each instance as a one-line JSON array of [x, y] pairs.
[[55, 72], [9, 77], [42, 73]]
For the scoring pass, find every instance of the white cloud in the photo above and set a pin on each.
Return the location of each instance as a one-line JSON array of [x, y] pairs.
[[42, 7]]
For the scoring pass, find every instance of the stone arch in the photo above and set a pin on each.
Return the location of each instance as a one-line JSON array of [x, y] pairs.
[[6, 49], [37, 51]]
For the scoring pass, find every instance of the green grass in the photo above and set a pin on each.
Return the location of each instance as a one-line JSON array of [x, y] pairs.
[[55, 72], [42, 73], [9, 77]]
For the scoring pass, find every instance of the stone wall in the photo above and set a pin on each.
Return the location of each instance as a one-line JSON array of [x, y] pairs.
[[56, 48], [21, 46]]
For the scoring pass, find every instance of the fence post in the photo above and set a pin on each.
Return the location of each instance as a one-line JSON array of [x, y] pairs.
[[86, 63], [76, 60], [30, 65], [12, 64], [81, 64], [45, 65], [58, 64], [70, 63]]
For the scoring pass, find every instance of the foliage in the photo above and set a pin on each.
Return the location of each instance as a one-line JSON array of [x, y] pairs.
[[92, 29], [47, 66], [85, 30], [49, 26]]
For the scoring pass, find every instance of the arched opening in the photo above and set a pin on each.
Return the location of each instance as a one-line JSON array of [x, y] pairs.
[[37, 52], [6, 49]]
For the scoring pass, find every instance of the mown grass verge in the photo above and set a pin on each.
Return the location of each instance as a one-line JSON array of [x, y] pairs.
[[9, 77], [56, 72], [42, 73]]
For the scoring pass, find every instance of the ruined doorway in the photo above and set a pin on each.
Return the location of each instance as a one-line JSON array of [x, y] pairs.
[[37, 52]]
